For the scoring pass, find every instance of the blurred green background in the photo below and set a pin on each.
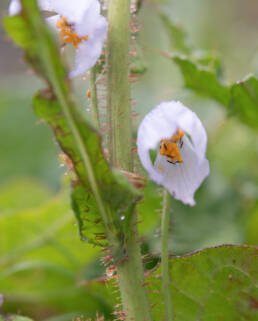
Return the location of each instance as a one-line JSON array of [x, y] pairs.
[[45, 270]]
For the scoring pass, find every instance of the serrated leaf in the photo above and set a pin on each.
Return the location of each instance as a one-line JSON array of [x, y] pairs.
[[105, 195], [244, 100], [202, 73], [212, 284], [202, 80], [241, 99]]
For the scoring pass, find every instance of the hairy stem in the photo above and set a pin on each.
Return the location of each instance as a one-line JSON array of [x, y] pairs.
[[130, 271], [94, 98], [131, 280], [164, 256], [119, 110]]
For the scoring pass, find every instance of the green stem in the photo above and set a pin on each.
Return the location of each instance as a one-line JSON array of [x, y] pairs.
[[94, 98], [131, 280], [119, 109], [164, 257], [130, 271]]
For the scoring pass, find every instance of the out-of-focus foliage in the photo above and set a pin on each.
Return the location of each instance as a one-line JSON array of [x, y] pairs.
[[45, 269], [201, 75], [212, 284]]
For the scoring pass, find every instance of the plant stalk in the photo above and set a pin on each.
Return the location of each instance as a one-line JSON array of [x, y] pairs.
[[119, 109], [130, 270], [164, 256], [131, 280]]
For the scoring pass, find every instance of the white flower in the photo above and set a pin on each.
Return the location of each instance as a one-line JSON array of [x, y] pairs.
[[79, 22], [14, 7], [181, 165]]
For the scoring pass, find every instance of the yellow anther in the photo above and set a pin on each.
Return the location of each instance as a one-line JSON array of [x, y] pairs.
[[67, 34], [178, 136], [170, 148]]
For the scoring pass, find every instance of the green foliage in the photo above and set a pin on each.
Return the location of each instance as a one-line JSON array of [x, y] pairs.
[[244, 100], [99, 194], [202, 74], [212, 284], [202, 80], [44, 268]]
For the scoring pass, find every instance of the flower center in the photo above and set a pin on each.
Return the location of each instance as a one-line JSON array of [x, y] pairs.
[[67, 33], [171, 147]]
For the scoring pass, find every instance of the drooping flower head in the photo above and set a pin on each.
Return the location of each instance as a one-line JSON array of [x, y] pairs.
[[180, 165], [78, 22]]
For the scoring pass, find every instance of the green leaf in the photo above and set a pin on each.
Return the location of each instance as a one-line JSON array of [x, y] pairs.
[[244, 100], [203, 80], [100, 197], [213, 284], [241, 99], [202, 73]]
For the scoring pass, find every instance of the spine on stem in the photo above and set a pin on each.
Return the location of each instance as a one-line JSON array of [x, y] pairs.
[[119, 109], [130, 271]]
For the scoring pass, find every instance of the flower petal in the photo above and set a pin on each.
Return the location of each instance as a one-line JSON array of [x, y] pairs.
[[14, 7], [72, 10], [89, 19], [181, 179], [87, 54], [45, 5]]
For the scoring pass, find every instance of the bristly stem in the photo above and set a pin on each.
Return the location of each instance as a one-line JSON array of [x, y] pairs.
[[119, 109], [131, 280], [130, 271], [164, 256], [94, 97]]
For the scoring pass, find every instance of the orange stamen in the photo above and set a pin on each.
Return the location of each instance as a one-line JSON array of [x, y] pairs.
[[170, 149], [67, 34]]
